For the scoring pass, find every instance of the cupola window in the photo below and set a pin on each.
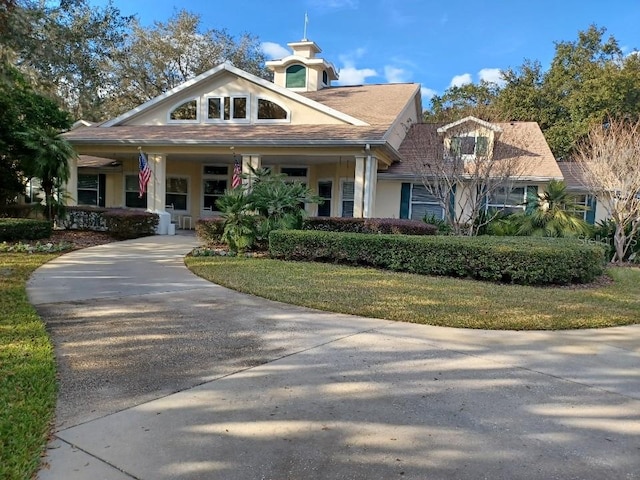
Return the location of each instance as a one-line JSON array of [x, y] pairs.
[[296, 76]]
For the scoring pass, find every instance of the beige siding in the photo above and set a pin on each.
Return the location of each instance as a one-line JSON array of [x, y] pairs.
[[388, 199]]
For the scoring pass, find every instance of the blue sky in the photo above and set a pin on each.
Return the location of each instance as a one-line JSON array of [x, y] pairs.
[[434, 43]]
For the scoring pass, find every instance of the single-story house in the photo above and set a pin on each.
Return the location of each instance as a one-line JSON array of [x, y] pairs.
[[357, 147]]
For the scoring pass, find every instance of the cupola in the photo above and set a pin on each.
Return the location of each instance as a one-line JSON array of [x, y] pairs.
[[302, 71]]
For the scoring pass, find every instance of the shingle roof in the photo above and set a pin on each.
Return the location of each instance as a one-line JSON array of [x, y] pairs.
[[375, 104], [573, 177], [226, 134], [520, 140]]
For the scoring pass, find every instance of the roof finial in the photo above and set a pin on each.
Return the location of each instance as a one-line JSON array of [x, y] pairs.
[[306, 21]]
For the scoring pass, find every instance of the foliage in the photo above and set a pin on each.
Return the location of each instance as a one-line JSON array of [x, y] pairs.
[[66, 47], [239, 228], [368, 225], [504, 225], [37, 247], [265, 203], [27, 371], [47, 158], [23, 111], [527, 261], [127, 224], [158, 58], [604, 232], [210, 230], [443, 301], [609, 160], [443, 227], [24, 210], [24, 229], [552, 214], [589, 79]]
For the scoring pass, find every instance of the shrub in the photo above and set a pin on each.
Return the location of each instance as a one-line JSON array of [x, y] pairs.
[[369, 225], [12, 229], [210, 230], [126, 224], [28, 210], [527, 261]]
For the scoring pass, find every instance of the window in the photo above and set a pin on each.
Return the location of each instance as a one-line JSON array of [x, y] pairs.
[[469, 146], [186, 111], [268, 110], [325, 191], [132, 192], [295, 173], [325, 77], [508, 200], [214, 183], [346, 198], [296, 76], [88, 190], [33, 193], [227, 108], [423, 204], [177, 193], [583, 202]]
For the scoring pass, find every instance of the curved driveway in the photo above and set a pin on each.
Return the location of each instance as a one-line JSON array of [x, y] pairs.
[[166, 376]]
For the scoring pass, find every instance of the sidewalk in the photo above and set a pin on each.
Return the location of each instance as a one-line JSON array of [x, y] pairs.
[[166, 376]]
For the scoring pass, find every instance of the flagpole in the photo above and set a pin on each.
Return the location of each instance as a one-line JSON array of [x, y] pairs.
[[306, 21]]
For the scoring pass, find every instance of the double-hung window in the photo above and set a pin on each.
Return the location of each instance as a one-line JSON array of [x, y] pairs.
[[90, 190], [132, 193], [423, 204], [508, 200], [347, 190], [215, 181], [177, 193], [325, 191]]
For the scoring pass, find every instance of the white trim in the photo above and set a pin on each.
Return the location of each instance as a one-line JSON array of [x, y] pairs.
[[256, 108], [211, 176], [488, 125], [188, 194], [411, 202], [205, 109], [343, 180], [332, 205], [227, 67]]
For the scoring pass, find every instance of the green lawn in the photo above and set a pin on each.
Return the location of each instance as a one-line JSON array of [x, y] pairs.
[[27, 371], [429, 300]]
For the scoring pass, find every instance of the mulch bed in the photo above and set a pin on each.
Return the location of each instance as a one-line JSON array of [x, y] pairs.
[[79, 239]]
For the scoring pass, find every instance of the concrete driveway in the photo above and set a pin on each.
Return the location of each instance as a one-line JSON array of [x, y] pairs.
[[166, 376]]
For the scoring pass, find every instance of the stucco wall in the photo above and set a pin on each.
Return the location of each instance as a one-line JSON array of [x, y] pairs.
[[388, 199]]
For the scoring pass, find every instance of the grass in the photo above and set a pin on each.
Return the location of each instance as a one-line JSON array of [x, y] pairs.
[[429, 300], [27, 371]]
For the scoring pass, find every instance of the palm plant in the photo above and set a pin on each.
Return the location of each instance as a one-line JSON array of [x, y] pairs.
[[48, 155], [552, 214], [239, 228]]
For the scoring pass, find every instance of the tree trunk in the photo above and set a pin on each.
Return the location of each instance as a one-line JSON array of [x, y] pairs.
[[619, 243]]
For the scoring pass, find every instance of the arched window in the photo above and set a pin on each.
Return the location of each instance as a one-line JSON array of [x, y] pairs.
[[325, 77], [268, 110], [186, 111], [296, 76]]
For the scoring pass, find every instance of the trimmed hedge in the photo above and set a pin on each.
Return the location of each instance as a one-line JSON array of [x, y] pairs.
[[521, 260], [369, 225], [12, 229], [24, 210], [127, 224], [210, 230]]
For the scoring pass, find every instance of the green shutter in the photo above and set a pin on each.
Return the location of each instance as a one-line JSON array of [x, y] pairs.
[[591, 213], [452, 203], [405, 198], [102, 188], [532, 199], [482, 145]]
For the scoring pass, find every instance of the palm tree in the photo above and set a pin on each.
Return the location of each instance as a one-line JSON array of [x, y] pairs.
[[552, 214], [47, 158]]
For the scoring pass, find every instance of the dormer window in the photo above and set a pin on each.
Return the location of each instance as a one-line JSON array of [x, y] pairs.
[[325, 78], [187, 111], [296, 76], [469, 146]]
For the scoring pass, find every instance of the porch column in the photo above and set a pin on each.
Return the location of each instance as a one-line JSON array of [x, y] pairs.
[[370, 184], [156, 191], [250, 161], [358, 188], [71, 187]]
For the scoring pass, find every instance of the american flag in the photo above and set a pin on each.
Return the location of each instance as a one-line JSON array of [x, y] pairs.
[[236, 180], [144, 173]]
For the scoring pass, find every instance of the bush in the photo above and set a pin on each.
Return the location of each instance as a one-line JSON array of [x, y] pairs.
[[369, 225], [25, 210], [126, 224], [603, 233], [210, 230], [527, 261], [12, 229], [84, 218]]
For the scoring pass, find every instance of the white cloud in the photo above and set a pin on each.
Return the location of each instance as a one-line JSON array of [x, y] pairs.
[[460, 80], [334, 4], [395, 74], [427, 93], [349, 75], [491, 75], [274, 50]]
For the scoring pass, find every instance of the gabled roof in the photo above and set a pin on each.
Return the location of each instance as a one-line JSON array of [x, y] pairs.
[[522, 140], [227, 67], [490, 126]]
